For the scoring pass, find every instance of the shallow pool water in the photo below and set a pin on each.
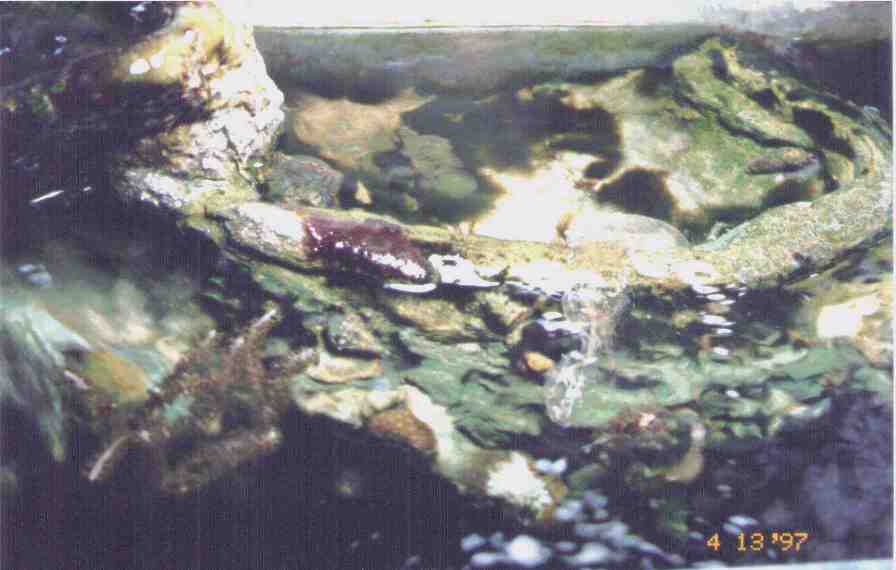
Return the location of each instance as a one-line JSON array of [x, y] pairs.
[[495, 304]]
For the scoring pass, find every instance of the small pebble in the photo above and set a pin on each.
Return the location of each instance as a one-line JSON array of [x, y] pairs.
[[35, 274], [595, 501], [472, 542], [412, 562], [642, 546], [537, 362], [743, 521], [704, 289], [559, 467], [526, 551], [614, 532], [591, 553], [674, 560], [543, 465], [716, 320], [569, 511], [553, 468], [731, 529], [565, 546], [40, 280], [600, 515], [497, 540], [486, 559], [588, 531]]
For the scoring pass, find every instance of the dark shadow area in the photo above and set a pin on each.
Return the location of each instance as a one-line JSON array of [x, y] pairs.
[[862, 72], [654, 79], [766, 97], [322, 501], [639, 191], [821, 129], [500, 132], [831, 478], [788, 192]]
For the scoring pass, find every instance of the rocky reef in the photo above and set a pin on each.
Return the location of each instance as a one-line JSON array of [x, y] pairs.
[[542, 288]]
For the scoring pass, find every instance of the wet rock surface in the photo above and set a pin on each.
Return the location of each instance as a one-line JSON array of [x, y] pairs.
[[178, 85], [295, 181]]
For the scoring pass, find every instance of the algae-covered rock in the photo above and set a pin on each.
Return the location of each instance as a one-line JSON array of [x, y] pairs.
[[345, 132], [332, 369], [438, 176], [206, 163], [431, 430], [120, 380], [349, 334], [853, 310], [436, 318], [489, 401], [178, 85], [692, 144], [294, 181], [630, 230], [463, 345], [620, 382]]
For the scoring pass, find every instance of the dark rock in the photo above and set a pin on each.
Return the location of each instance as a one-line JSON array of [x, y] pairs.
[[295, 181], [553, 337], [784, 160], [849, 486], [835, 478]]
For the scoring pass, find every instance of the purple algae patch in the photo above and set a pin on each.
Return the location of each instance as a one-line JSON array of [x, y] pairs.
[[371, 247]]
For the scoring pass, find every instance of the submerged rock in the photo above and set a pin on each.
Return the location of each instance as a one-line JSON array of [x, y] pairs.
[[207, 163], [340, 369], [32, 370], [629, 230], [436, 176], [348, 133], [318, 239], [349, 334], [441, 338], [295, 181], [859, 312]]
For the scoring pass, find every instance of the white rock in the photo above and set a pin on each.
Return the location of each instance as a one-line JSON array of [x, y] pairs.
[[527, 551]]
